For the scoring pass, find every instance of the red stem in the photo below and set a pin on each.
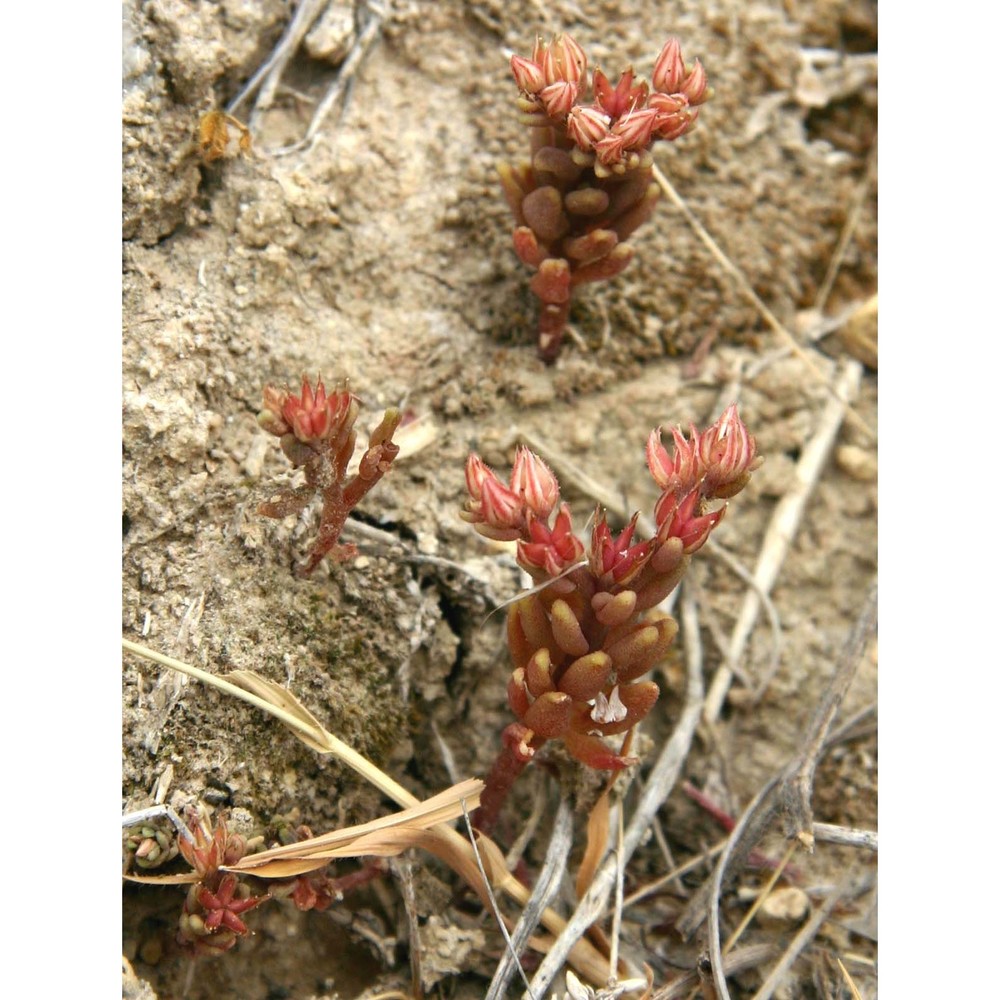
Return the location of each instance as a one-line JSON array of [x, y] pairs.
[[507, 767], [551, 326]]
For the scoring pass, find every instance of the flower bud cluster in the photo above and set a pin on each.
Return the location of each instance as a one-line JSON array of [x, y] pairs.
[[210, 921], [584, 637], [588, 185], [317, 434], [623, 119]]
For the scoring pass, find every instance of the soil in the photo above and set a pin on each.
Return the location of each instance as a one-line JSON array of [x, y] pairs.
[[383, 254]]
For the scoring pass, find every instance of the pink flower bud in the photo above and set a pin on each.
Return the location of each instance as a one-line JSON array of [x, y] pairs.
[[528, 75], [695, 87], [564, 60], [314, 416], [728, 453], [636, 128], [682, 520], [616, 557], [496, 510], [558, 98], [270, 418], [550, 550], [675, 115], [668, 71], [476, 470], [677, 474], [587, 126], [672, 127], [533, 480], [501, 507], [610, 149]]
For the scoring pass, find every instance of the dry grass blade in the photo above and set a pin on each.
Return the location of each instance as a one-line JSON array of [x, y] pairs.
[[184, 878], [276, 701], [347, 70], [796, 790], [759, 901], [384, 837], [312, 734], [855, 992]]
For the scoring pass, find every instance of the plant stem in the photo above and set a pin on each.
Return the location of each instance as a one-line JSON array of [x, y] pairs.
[[505, 771]]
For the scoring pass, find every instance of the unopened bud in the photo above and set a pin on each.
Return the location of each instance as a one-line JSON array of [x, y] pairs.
[[668, 70], [695, 87], [534, 480], [528, 75], [558, 98], [587, 126]]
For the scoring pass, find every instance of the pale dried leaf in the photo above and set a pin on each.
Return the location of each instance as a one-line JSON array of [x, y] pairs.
[[186, 878], [598, 828], [386, 836], [282, 698]]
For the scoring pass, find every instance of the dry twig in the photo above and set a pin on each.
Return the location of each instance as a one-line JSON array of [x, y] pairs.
[[747, 289], [847, 837], [268, 75], [781, 531], [516, 961], [556, 857], [800, 941], [350, 66], [796, 788], [785, 790]]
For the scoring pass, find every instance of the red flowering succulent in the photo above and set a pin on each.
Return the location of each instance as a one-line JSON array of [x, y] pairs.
[[589, 184], [211, 920], [317, 434], [582, 640]]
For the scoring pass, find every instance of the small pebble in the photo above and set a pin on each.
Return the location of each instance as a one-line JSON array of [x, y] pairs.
[[786, 905], [858, 463]]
